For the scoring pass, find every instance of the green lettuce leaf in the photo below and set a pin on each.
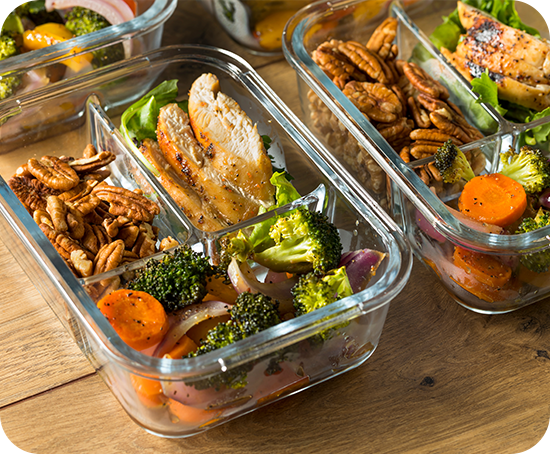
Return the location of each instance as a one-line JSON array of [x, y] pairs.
[[539, 134], [488, 92]]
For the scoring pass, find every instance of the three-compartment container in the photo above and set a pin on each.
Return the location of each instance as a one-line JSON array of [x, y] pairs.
[[279, 361], [358, 149]]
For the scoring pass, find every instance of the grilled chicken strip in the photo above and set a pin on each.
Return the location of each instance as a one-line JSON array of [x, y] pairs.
[[192, 164], [516, 43], [534, 97], [232, 144], [498, 61], [203, 216]]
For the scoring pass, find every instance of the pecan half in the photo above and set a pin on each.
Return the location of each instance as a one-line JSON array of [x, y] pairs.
[[31, 198], [405, 154], [89, 151], [42, 217], [93, 163], [364, 59], [129, 235], [381, 41], [127, 203], [168, 243], [375, 100], [420, 116], [90, 240], [83, 266], [433, 135], [58, 213], [422, 81], [109, 257], [53, 173], [336, 65]]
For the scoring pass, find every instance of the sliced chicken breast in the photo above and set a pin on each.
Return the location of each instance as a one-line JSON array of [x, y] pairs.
[[186, 156], [516, 43], [498, 61], [202, 215], [232, 144], [533, 97]]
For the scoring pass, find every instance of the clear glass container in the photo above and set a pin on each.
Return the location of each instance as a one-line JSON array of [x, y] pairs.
[[280, 361], [433, 231], [139, 35]]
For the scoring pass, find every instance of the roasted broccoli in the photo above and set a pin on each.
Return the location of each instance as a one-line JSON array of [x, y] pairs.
[[314, 290], [37, 13], [529, 167], [539, 262], [250, 314], [81, 21], [8, 84], [178, 280], [303, 241], [452, 163]]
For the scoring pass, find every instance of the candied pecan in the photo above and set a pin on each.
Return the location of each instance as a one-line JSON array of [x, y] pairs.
[[89, 151], [396, 130], [433, 135], [364, 60], [421, 117], [31, 198], [381, 41], [109, 257], [421, 80], [375, 100], [83, 266], [127, 203], [448, 126], [53, 173], [58, 213], [97, 176], [336, 65], [90, 240], [129, 235], [168, 243], [405, 154], [42, 217], [91, 164]]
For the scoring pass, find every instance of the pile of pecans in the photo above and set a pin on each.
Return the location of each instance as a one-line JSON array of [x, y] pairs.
[[94, 226], [409, 108]]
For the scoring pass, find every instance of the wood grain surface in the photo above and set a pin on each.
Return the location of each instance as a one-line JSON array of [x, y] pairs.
[[443, 379]]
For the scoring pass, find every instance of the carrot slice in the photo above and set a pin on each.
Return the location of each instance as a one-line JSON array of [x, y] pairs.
[[183, 347], [482, 267], [495, 199], [187, 414], [149, 391], [137, 317]]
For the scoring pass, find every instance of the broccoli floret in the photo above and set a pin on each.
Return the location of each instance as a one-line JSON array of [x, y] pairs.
[[8, 84], [81, 21], [529, 168], [250, 314], [539, 262], [314, 291], [304, 241], [452, 163], [178, 280], [37, 13]]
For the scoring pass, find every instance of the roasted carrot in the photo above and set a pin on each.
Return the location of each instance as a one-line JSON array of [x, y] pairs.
[[482, 267], [137, 317], [495, 199], [183, 347], [192, 415], [149, 391]]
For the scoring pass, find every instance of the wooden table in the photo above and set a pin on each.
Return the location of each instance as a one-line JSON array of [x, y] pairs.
[[443, 379]]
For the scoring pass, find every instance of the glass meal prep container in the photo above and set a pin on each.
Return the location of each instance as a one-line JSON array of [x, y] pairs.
[[434, 233], [139, 35], [279, 361]]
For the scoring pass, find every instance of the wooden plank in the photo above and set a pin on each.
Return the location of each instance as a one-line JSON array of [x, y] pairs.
[[37, 352]]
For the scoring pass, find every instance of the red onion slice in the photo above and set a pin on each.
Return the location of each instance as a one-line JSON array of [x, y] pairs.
[[186, 319], [360, 266], [244, 280]]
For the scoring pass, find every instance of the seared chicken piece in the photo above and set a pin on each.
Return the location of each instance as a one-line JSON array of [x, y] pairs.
[[232, 144], [191, 163], [199, 213], [498, 61], [516, 43], [534, 97]]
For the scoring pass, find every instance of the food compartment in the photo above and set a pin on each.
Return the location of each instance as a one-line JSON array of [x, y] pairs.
[[38, 69], [363, 71], [514, 87], [158, 392]]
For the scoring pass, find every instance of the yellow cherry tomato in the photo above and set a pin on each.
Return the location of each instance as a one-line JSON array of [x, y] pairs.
[[269, 30], [49, 34]]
